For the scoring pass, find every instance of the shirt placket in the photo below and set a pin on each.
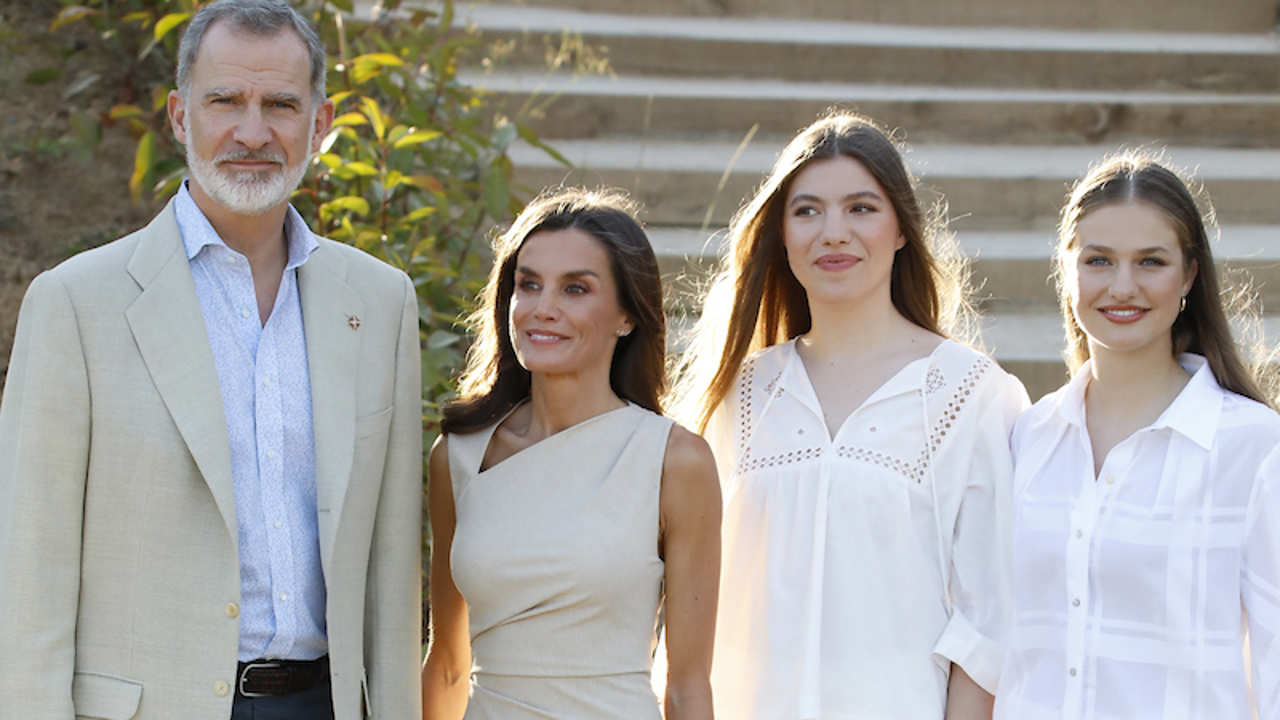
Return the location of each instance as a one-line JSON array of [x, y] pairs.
[[1085, 535], [269, 424]]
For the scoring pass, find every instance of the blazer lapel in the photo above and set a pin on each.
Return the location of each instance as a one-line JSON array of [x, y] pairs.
[[330, 319], [169, 328]]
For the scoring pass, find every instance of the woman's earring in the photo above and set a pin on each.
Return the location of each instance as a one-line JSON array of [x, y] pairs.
[[1183, 305], [623, 332]]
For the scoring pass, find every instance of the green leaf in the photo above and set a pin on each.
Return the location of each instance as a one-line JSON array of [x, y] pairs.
[[41, 76], [416, 215], [169, 22], [376, 118], [350, 203], [329, 160], [70, 14], [415, 138], [124, 111], [363, 169], [142, 17], [143, 159], [497, 194], [338, 97], [426, 182], [351, 118], [380, 59]]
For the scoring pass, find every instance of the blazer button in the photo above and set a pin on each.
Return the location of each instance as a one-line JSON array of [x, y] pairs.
[[233, 610], [221, 689]]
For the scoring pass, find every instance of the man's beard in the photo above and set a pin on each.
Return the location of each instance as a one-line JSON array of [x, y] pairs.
[[247, 192]]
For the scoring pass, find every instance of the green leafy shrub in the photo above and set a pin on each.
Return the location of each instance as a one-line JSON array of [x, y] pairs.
[[415, 170]]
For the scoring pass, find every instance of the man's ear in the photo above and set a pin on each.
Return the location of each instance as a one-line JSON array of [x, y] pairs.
[[177, 116], [323, 121]]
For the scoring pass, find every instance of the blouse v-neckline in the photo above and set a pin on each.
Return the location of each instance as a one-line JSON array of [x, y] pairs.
[[493, 429], [808, 395]]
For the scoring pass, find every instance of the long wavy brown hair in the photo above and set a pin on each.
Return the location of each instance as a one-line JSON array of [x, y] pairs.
[[494, 382], [755, 301], [1140, 176]]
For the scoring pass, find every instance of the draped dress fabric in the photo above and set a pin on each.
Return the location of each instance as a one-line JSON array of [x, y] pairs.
[[858, 567], [556, 552]]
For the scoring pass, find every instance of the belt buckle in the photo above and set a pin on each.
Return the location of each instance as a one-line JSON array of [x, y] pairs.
[[265, 665]]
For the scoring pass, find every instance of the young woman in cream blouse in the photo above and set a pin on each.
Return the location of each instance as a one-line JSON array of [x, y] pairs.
[[1147, 522], [863, 457]]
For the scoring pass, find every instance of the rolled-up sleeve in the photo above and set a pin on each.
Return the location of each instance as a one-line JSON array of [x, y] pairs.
[[980, 573]]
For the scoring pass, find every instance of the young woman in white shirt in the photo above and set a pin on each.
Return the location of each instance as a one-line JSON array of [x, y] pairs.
[[1147, 522], [863, 456]]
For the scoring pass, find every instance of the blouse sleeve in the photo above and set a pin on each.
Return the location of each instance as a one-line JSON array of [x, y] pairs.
[[979, 580], [719, 435], [1260, 586]]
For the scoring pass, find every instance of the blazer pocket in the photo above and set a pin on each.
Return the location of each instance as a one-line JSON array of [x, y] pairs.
[[374, 422], [104, 697]]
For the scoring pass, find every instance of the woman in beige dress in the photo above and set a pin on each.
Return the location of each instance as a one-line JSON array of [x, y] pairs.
[[564, 508]]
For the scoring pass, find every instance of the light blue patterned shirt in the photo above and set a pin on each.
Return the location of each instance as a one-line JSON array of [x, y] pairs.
[[266, 396]]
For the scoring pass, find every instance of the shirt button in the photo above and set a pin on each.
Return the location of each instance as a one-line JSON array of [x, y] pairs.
[[1075, 602], [1072, 672], [872, 428], [1079, 533], [221, 689], [284, 596], [800, 431], [271, 453], [244, 313], [278, 524], [233, 610], [1110, 480]]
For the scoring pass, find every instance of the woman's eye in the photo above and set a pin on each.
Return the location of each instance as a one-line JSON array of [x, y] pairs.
[[861, 208], [1152, 262], [805, 211], [528, 285], [575, 289], [1096, 260]]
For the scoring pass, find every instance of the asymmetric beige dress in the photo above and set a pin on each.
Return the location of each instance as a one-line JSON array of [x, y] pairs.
[[556, 553]]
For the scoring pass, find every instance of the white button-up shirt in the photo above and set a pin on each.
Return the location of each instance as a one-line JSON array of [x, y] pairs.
[[1129, 588], [265, 384], [857, 568]]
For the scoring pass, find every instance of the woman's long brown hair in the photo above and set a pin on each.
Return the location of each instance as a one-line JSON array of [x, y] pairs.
[[494, 382], [1138, 176], [755, 301]]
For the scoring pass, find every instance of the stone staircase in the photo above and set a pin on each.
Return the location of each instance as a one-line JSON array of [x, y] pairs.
[[1003, 104]]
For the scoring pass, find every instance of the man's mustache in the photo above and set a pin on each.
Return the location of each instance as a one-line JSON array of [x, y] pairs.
[[256, 155]]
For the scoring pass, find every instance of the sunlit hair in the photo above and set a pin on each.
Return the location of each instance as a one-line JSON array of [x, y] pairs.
[[755, 301], [494, 381], [1140, 176]]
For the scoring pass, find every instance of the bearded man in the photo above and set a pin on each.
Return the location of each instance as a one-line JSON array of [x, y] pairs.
[[210, 433]]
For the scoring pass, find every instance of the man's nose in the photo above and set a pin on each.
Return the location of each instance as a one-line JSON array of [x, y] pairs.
[[252, 130]]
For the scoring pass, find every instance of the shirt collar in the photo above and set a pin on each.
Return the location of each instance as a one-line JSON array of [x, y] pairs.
[[197, 232], [1194, 413], [794, 379]]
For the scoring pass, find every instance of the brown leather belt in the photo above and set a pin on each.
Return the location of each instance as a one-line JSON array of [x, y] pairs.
[[273, 678]]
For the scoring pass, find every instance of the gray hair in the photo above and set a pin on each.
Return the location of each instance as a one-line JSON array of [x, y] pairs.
[[264, 18]]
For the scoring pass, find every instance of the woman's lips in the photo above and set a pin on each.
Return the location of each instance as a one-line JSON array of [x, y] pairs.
[[1123, 314], [543, 337], [835, 262]]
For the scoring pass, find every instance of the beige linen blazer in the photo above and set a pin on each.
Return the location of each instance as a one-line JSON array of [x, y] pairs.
[[119, 571]]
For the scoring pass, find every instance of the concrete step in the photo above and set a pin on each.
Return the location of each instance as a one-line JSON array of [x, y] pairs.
[[596, 106], [1010, 269], [987, 187], [1225, 16], [834, 51]]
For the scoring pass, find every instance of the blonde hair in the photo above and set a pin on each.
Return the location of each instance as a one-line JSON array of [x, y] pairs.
[[755, 301]]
